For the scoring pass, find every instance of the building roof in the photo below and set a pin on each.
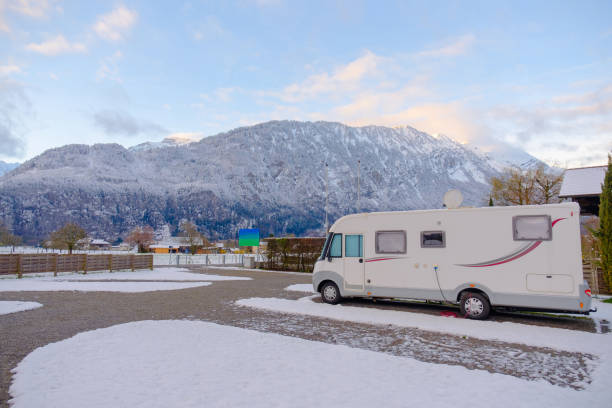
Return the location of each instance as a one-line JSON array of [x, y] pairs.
[[175, 242], [99, 242], [584, 181]]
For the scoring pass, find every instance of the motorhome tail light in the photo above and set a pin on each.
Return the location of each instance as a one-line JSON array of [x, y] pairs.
[[588, 292]]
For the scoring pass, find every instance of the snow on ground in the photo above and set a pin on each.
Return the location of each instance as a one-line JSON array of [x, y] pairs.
[[564, 339], [240, 268], [37, 285], [157, 279], [301, 287], [604, 310], [10, 306], [195, 364], [159, 274]]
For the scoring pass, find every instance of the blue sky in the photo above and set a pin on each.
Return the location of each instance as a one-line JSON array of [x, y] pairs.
[[537, 75]]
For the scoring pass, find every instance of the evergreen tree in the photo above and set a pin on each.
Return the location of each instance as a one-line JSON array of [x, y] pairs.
[[491, 201], [604, 234]]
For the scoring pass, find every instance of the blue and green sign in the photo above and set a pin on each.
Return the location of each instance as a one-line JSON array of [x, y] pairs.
[[248, 237]]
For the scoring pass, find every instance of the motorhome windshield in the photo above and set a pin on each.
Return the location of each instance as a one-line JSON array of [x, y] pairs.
[[326, 246]]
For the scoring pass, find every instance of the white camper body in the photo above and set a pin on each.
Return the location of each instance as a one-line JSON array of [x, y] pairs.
[[521, 257]]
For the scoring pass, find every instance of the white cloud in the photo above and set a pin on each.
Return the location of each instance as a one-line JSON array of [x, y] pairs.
[[56, 46], [185, 137], [109, 68], [118, 122], [30, 8], [345, 78], [53, 76], [457, 47], [6, 70], [116, 24]]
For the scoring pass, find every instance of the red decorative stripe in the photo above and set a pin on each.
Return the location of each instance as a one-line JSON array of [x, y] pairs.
[[557, 220], [517, 256], [525, 252], [380, 259]]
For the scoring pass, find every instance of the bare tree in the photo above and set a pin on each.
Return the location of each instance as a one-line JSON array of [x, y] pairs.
[[7, 238], [548, 185], [67, 237], [142, 237], [193, 237], [523, 187]]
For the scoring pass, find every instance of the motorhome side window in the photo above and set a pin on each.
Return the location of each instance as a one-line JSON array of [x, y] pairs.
[[353, 246], [433, 239], [335, 249], [390, 242], [532, 227]]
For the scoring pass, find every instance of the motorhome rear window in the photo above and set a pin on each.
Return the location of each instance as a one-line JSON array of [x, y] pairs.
[[390, 242], [532, 227], [433, 239]]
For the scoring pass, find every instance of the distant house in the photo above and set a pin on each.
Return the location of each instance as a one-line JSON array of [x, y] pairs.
[[583, 185], [173, 245], [99, 244], [93, 244]]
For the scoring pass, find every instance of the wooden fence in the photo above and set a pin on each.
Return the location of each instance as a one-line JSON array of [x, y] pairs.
[[594, 276], [37, 263]]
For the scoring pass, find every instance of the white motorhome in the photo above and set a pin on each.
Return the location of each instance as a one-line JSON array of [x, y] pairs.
[[521, 257]]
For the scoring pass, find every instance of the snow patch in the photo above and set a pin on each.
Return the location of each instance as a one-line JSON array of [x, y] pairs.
[[161, 274], [194, 364], [36, 285], [564, 339], [301, 287], [9, 306]]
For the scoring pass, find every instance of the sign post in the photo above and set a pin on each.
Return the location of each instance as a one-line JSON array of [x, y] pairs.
[[248, 237]]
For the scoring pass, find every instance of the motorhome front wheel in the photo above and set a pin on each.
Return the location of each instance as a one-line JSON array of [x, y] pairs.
[[330, 293], [474, 306]]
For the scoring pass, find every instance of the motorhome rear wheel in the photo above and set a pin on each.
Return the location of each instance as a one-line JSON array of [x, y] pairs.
[[474, 306]]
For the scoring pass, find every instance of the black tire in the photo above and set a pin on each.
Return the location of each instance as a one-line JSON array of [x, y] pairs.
[[330, 293], [474, 306]]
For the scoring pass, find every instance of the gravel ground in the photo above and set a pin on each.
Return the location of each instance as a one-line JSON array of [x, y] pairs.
[[65, 314]]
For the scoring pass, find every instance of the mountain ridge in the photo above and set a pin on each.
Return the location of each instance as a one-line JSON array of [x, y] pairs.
[[270, 175]]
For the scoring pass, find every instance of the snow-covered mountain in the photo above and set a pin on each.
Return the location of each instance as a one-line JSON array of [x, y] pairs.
[[177, 139], [6, 167], [271, 176]]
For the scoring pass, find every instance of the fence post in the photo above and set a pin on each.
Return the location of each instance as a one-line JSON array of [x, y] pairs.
[[54, 264], [151, 264], [85, 264], [132, 262], [19, 272], [110, 263]]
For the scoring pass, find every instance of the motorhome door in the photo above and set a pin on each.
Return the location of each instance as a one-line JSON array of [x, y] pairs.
[[353, 262]]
